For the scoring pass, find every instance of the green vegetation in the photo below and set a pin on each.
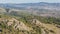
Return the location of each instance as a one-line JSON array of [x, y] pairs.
[[50, 20], [27, 19]]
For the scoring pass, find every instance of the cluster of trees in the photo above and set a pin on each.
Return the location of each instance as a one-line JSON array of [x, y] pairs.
[[50, 20]]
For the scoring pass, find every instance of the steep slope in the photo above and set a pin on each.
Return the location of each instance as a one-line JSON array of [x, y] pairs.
[[15, 21], [11, 25], [47, 28], [12, 22]]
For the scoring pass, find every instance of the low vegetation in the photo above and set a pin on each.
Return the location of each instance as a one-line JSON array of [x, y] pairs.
[[25, 18]]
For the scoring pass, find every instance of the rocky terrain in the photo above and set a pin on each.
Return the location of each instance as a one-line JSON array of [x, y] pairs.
[[30, 18], [20, 22]]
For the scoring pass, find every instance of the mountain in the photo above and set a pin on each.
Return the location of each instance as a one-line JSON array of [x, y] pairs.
[[15, 22], [30, 18], [41, 8], [25, 5]]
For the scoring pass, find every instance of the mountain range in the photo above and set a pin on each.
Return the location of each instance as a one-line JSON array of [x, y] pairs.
[[41, 8], [25, 5]]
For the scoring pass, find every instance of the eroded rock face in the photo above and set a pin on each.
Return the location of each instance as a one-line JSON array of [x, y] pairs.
[[18, 24], [45, 28]]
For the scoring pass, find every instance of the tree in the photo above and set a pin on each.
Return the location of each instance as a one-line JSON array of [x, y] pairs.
[[7, 10], [0, 16]]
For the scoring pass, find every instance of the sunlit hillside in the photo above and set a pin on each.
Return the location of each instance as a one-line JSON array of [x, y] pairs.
[[30, 18]]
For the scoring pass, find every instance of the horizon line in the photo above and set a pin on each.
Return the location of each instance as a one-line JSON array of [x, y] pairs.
[[30, 2]]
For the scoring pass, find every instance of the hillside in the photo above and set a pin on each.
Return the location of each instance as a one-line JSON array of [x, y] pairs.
[[14, 21]]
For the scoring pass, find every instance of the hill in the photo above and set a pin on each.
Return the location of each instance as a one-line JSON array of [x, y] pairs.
[[30, 18]]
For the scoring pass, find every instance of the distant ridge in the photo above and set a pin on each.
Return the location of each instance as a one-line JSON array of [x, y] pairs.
[[24, 5]]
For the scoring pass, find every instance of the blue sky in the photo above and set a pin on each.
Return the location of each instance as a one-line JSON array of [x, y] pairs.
[[29, 1]]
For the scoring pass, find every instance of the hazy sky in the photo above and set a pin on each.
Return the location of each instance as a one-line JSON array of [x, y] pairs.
[[28, 1]]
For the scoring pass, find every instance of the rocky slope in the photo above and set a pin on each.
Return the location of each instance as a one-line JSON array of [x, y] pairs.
[[14, 21]]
